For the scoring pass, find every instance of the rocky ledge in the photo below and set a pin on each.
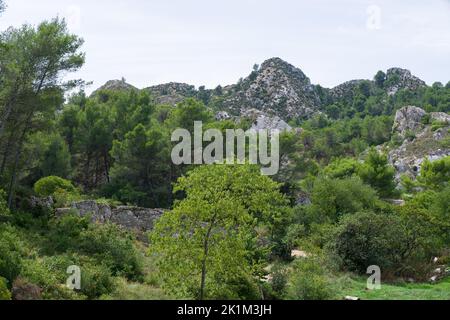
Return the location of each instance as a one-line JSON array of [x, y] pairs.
[[140, 220]]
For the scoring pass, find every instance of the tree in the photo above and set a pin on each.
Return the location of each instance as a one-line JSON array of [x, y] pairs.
[[368, 238], [32, 61], [334, 198], [141, 172], [435, 175], [378, 173], [208, 241], [380, 78]]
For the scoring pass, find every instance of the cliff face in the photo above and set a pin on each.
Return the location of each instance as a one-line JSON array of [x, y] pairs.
[[277, 88], [423, 136]]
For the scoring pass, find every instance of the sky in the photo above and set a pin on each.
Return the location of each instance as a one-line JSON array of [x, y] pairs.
[[207, 42]]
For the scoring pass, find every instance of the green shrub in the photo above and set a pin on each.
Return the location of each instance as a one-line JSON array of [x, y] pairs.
[[333, 198], [4, 292], [109, 244], [309, 281], [367, 238], [96, 280], [50, 274], [49, 185], [11, 252], [64, 233]]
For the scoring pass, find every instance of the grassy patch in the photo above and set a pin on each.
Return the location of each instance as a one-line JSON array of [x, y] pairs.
[[352, 286]]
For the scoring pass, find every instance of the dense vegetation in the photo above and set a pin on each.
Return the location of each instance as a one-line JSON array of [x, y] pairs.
[[228, 232]]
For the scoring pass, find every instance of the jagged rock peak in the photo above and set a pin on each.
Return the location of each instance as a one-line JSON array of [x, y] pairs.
[[398, 78], [277, 88], [116, 85]]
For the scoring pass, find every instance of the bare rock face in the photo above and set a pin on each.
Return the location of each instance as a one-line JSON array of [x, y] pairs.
[[264, 122], [136, 219], [100, 212], [408, 119], [277, 89], [44, 203], [398, 78], [408, 158], [115, 85], [440, 117], [222, 115]]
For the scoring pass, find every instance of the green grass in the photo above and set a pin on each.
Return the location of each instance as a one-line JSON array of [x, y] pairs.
[[352, 286]]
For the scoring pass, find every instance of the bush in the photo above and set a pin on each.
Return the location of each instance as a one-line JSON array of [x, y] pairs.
[[109, 244], [96, 280], [333, 198], [50, 274], [64, 233], [49, 185], [11, 251], [4, 292], [309, 281], [367, 238]]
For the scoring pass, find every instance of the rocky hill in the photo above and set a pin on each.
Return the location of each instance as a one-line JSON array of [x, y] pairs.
[[172, 93], [277, 89], [422, 135]]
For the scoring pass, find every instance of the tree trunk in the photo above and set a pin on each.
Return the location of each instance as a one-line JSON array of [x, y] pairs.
[[205, 256]]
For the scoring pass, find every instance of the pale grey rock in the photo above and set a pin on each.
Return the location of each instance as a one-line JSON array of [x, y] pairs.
[[45, 203], [222, 115], [440, 117], [398, 78], [277, 89], [271, 123], [136, 219], [408, 119]]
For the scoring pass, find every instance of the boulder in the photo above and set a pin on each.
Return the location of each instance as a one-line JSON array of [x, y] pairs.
[[408, 119]]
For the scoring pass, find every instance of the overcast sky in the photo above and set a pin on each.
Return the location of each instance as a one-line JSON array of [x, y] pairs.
[[204, 42]]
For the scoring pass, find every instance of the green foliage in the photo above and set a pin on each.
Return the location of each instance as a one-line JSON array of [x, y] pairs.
[[214, 247], [12, 250], [333, 198], [378, 173], [113, 247], [4, 292], [106, 243], [436, 174], [142, 166], [341, 168], [308, 281], [49, 185], [367, 238]]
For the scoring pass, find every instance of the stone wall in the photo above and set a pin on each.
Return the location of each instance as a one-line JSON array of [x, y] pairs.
[[136, 219]]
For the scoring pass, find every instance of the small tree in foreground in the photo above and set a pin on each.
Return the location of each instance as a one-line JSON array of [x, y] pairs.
[[207, 243]]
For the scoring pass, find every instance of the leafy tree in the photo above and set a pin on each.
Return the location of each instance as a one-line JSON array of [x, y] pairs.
[[32, 61], [334, 198], [142, 167], [208, 240], [378, 173], [380, 78], [367, 238], [435, 175]]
